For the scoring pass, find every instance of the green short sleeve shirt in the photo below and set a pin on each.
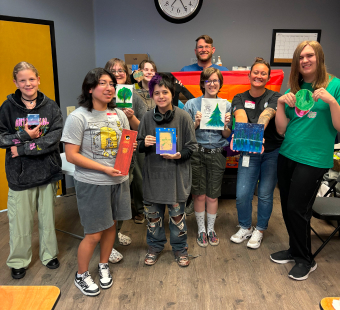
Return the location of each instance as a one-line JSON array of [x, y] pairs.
[[309, 139]]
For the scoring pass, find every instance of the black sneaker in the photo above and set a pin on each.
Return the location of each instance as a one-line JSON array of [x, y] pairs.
[[301, 271], [105, 278], [282, 257], [18, 273], [87, 285]]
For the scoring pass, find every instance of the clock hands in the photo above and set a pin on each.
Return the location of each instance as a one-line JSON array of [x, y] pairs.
[[185, 8], [173, 3]]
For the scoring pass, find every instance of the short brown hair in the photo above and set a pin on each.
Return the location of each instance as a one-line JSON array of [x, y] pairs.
[[23, 65], [114, 61], [206, 38], [143, 62], [260, 60], [206, 74], [296, 78]]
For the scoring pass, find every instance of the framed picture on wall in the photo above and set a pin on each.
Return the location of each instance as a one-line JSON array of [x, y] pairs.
[[285, 41]]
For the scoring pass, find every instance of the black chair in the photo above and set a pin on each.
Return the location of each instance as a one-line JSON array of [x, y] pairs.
[[327, 208]]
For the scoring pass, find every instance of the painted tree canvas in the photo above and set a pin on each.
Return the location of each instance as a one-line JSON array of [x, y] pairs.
[[248, 137], [124, 95], [213, 113]]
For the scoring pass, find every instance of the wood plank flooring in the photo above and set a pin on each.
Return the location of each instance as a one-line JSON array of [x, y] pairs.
[[229, 276]]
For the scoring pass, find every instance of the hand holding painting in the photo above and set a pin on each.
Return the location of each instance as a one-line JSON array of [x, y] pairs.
[[322, 94], [33, 133], [198, 118], [172, 156], [287, 98], [128, 112], [149, 140], [227, 119]]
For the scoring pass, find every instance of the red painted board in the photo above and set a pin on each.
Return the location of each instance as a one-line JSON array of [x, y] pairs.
[[125, 151]]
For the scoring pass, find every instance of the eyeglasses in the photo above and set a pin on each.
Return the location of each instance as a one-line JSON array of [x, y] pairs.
[[209, 82], [207, 47], [120, 71], [105, 84]]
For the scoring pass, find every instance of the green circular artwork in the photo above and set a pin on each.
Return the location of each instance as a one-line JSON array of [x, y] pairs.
[[304, 100]]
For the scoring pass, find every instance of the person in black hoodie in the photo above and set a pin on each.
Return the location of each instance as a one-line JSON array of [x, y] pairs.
[[30, 131]]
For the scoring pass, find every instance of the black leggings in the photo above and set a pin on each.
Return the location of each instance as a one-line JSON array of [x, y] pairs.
[[298, 184]]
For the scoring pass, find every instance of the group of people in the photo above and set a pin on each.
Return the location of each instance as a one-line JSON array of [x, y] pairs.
[[297, 151]]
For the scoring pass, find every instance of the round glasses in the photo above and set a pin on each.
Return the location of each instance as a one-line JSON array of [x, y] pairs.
[[209, 82], [120, 71]]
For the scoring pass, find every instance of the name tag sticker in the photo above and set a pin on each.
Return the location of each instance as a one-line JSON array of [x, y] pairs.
[[111, 117], [245, 161], [249, 104]]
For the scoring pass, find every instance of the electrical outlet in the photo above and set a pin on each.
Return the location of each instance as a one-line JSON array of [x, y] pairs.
[[193, 60], [70, 109]]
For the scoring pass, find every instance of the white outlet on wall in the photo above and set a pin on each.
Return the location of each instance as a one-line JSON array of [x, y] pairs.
[[193, 60]]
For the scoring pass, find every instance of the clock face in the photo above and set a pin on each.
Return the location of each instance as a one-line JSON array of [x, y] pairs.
[[178, 11]]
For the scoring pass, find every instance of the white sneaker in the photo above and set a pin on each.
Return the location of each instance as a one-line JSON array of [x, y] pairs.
[[123, 239], [241, 235], [115, 256], [105, 278], [87, 285], [255, 240]]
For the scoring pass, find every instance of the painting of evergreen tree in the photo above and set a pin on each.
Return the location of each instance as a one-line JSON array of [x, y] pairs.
[[215, 118], [213, 113], [124, 96]]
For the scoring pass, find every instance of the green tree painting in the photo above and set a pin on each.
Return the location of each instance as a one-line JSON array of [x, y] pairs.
[[215, 118], [124, 94]]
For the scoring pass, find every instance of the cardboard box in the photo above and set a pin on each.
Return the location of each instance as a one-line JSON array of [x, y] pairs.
[[134, 59]]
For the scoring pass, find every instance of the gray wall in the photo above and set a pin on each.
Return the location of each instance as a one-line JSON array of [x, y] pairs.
[[241, 30], [90, 32], [74, 34]]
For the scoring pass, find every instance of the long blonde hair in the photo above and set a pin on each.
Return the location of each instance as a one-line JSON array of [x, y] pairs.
[[23, 65], [322, 77]]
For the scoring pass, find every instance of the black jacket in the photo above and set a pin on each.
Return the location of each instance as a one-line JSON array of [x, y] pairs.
[[39, 159]]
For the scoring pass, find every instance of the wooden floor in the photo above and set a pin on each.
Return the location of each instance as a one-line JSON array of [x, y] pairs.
[[229, 276]]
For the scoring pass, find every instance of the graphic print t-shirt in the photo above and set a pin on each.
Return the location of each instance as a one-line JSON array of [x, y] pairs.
[[98, 133]]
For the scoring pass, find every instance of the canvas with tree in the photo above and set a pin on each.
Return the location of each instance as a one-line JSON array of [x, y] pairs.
[[124, 95], [213, 113]]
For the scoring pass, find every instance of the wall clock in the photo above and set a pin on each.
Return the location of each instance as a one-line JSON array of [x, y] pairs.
[[178, 11]]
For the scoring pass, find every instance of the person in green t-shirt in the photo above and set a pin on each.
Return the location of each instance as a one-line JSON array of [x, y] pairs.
[[306, 152]]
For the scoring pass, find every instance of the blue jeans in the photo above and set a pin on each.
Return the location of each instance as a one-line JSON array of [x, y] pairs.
[[262, 169], [156, 238]]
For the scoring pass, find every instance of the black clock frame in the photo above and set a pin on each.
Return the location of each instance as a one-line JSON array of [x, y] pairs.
[[178, 20]]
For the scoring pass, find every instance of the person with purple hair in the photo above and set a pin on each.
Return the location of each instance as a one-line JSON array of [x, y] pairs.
[[166, 177]]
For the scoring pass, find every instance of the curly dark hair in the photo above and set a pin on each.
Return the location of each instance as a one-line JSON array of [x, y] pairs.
[[91, 81]]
